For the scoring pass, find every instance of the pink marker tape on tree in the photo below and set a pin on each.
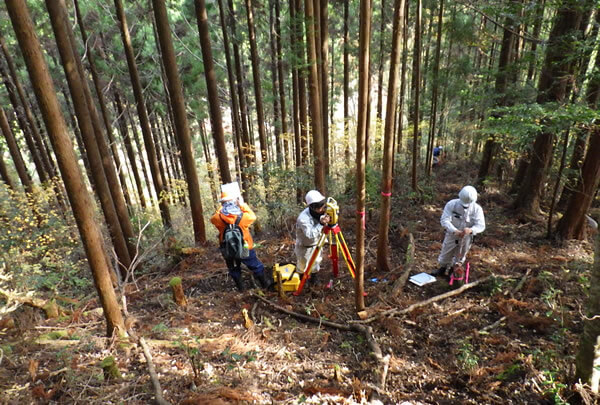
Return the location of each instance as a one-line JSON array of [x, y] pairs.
[[386, 194], [362, 216]]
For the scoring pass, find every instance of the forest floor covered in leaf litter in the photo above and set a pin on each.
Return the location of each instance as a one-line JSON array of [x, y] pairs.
[[511, 339]]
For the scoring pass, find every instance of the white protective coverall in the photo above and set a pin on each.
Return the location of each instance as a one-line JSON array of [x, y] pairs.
[[456, 217], [308, 231]]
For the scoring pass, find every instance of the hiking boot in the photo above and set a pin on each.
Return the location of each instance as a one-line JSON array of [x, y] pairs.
[[441, 272], [239, 283], [266, 283]]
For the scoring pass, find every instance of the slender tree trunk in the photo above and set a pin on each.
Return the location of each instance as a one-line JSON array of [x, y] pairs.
[[537, 26], [573, 223], [324, 52], [284, 128], [15, 153], [216, 121], [57, 13], [403, 78], [115, 188], [434, 91], [302, 84], [363, 95], [182, 129], [208, 160], [379, 111], [143, 115], [103, 109], [249, 152], [383, 263], [235, 107], [3, 169], [591, 98], [314, 101], [63, 148], [275, 85], [128, 148], [416, 75], [35, 139], [143, 159], [346, 86], [260, 116], [504, 63], [33, 148]]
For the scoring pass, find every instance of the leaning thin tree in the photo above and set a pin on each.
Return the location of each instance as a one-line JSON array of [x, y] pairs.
[[81, 202]]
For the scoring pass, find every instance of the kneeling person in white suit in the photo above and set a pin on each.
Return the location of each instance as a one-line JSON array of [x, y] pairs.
[[462, 219]]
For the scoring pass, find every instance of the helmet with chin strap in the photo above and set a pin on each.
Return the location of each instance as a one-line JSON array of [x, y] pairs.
[[467, 195]]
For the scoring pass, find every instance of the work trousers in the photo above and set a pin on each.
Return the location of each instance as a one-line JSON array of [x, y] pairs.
[[454, 249], [303, 255], [252, 262]]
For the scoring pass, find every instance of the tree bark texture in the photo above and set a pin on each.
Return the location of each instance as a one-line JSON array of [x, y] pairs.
[[182, 129], [216, 121], [314, 100], [103, 108], [260, 116], [552, 87], [57, 13], [15, 152], [416, 82], [383, 263], [363, 95], [76, 190], [573, 223], [129, 148], [143, 115]]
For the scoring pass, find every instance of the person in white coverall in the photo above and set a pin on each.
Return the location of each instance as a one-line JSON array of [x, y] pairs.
[[462, 219], [309, 227]]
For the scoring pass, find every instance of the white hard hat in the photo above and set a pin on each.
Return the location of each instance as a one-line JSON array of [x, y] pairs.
[[313, 196], [468, 195]]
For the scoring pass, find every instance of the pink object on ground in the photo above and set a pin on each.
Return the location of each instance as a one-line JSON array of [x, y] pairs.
[[464, 276]]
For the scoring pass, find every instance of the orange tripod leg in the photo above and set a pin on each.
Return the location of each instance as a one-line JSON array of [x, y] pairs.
[[346, 254], [309, 265]]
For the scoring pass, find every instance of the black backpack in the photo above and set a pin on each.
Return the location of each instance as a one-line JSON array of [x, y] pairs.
[[233, 245]]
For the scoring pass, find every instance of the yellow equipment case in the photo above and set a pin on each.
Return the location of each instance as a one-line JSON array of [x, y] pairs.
[[290, 279]]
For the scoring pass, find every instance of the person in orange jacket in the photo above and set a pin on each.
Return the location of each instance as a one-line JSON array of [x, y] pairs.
[[227, 214]]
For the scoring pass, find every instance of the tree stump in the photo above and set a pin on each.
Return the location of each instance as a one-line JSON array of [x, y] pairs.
[[178, 295], [110, 368], [51, 309]]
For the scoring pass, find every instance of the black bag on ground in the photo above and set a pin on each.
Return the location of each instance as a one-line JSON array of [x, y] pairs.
[[233, 245]]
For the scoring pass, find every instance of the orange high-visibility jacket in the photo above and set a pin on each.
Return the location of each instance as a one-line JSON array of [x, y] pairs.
[[219, 220]]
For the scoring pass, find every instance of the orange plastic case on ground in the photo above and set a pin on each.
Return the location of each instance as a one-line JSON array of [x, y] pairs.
[[290, 279]]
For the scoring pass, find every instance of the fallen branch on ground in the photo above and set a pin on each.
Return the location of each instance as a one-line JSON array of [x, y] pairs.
[[492, 326], [367, 331], [397, 311], [152, 371], [520, 284]]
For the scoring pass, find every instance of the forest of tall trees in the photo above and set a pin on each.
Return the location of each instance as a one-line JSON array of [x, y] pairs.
[[120, 120]]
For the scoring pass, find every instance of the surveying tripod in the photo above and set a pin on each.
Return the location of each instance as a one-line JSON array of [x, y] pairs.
[[333, 232]]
